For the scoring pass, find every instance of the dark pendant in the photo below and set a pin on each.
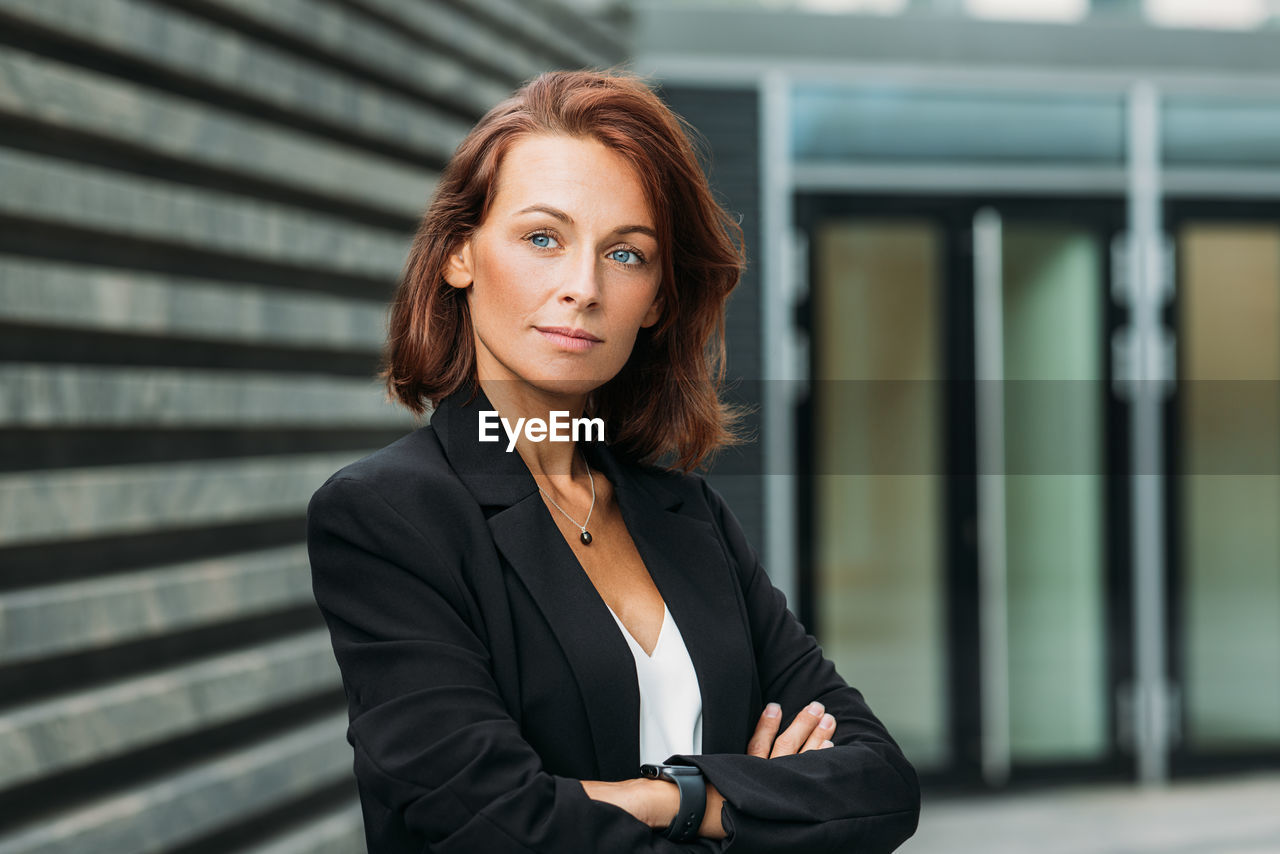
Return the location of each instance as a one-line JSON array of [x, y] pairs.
[[585, 537]]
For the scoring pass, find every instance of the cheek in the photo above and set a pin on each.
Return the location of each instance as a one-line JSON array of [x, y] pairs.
[[642, 295], [506, 283]]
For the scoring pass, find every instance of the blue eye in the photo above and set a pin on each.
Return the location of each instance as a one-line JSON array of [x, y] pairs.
[[626, 253], [543, 241]]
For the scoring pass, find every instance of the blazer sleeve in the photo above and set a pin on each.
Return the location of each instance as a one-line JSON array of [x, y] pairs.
[[433, 740], [860, 795]]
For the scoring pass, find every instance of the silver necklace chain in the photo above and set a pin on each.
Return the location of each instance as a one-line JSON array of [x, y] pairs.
[[586, 538]]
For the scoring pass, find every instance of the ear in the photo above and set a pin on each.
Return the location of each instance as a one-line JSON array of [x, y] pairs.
[[458, 267], [655, 311]]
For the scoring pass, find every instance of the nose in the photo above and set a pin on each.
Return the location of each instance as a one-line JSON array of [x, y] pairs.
[[581, 283]]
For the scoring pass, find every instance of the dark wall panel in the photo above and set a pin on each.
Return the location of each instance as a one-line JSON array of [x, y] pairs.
[[728, 121]]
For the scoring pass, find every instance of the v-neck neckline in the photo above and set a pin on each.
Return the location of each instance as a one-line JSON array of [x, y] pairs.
[[680, 544], [666, 618]]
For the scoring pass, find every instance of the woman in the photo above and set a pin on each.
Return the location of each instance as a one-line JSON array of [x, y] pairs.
[[523, 613]]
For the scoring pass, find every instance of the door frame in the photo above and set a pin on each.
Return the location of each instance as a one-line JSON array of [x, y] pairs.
[[1106, 216]]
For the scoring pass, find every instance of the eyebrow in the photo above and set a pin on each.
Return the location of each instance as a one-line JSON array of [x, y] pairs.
[[565, 218]]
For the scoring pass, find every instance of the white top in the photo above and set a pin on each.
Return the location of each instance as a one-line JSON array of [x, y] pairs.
[[670, 700]]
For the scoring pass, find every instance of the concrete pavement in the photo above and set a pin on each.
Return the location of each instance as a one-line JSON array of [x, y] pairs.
[[1236, 815]]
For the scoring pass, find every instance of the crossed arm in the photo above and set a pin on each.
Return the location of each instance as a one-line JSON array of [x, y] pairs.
[[853, 791], [435, 743], [656, 802]]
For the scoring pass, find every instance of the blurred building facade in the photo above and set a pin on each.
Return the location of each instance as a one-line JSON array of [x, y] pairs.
[[205, 206], [1017, 339]]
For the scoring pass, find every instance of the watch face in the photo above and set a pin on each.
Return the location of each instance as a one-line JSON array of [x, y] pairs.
[[657, 770], [684, 770]]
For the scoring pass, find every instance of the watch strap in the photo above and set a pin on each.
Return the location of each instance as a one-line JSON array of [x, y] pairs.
[[693, 798]]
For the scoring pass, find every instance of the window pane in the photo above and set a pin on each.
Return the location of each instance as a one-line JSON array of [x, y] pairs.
[[1221, 131], [899, 123], [1230, 364], [878, 491], [1054, 493]]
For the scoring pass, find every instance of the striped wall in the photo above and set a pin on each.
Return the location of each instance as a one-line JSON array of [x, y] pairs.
[[204, 205]]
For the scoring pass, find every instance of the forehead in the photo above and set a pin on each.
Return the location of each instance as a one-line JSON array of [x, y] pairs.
[[580, 175]]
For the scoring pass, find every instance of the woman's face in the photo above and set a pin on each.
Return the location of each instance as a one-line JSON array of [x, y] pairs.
[[564, 270]]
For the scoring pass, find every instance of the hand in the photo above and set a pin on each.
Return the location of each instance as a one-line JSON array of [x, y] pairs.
[[656, 802], [811, 730]]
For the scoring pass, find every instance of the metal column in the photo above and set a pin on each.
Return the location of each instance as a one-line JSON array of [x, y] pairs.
[[993, 585], [1149, 372], [779, 371]]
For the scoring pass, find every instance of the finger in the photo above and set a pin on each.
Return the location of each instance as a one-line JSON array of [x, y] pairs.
[[826, 744], [822, 732], [766, 730], [795, 735]]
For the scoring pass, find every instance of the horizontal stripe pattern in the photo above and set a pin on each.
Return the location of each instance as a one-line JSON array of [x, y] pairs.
[[533, 21], [333, 29], [63, 97], [197, 800], [60, 619], [207, 207], [33, 395], [84, 726], [341, 831], [104, 200], [180, 44], [36, 448], [441, 26], [73, 296], [129, 499]]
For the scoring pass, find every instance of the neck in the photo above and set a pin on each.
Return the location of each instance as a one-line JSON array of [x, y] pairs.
[[549, 462]]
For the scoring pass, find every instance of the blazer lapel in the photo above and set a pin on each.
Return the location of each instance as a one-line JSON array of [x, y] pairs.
[[683, 556], [688, 566]]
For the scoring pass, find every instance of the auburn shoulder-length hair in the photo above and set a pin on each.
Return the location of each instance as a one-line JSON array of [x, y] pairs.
[[666, 398]]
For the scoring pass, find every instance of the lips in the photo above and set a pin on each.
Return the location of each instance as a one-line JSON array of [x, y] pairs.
[[568, 332], [569, 340]]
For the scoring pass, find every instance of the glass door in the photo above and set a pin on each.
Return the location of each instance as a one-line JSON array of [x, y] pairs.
[[963, 570], [1226, 501], [877, 503], [1040, 300]]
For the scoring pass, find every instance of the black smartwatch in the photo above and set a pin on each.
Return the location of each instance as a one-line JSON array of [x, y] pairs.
[[693, 798]]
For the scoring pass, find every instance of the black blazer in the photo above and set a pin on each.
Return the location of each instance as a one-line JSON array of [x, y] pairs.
[[485, 676]]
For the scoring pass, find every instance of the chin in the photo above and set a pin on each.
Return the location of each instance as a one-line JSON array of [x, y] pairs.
[[572, 377], [570, 386]]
